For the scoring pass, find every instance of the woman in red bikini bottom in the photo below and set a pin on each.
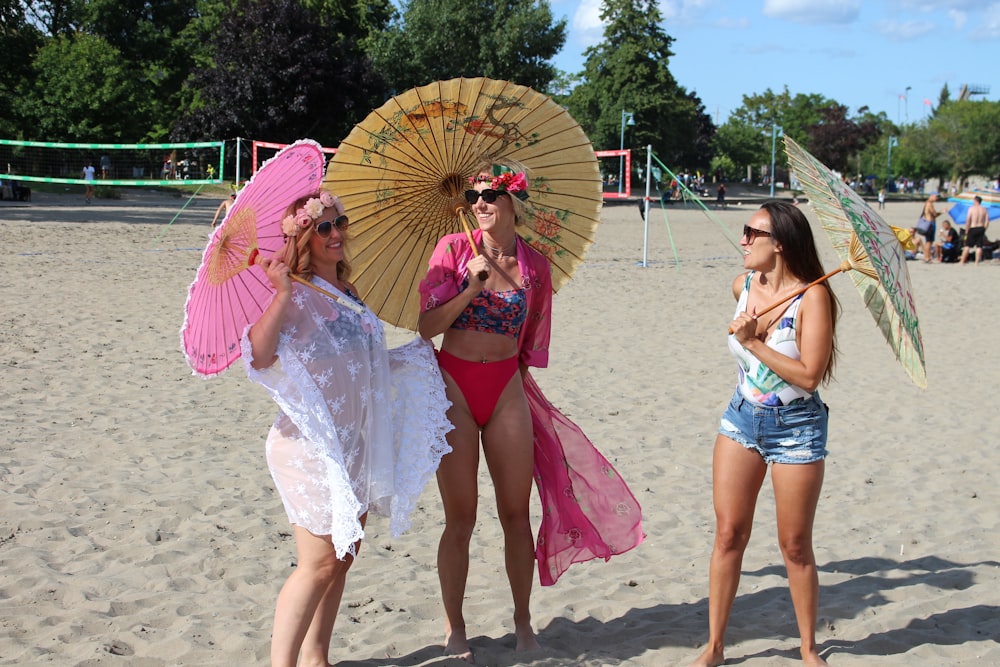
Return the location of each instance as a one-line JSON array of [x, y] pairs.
[[493, 330]]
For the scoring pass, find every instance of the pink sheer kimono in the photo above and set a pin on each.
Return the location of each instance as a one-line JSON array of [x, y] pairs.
[[588, 510]]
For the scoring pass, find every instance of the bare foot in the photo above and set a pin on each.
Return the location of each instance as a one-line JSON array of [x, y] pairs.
[[709, 658], [526, 640], [457, 646], [813, 659]]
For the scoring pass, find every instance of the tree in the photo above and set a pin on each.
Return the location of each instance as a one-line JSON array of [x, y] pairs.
[[18, 42], [149, 36], [82, 90], [279, 73], [821, 125], [510, 40], [629, 71], [836, 140], [959, 141]]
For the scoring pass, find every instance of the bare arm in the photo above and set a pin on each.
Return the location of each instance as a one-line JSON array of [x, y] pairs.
[[265, 331], [437, 320], [815, 340]]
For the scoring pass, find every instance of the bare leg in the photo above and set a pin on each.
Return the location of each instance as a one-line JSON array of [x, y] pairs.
[[299, 603], [507, 443], [457, 482], [796, 494], [737, 475]]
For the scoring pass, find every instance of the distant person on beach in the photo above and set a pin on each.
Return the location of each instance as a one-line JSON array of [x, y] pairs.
[[489, 293], [946, 246], [340, 446], [927, 227], [775, 417], [881, 199], [88, 177], [223, 209], [977, 221], [720, 195]]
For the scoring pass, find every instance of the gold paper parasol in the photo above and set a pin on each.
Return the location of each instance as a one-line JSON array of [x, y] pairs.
[[402, 171]]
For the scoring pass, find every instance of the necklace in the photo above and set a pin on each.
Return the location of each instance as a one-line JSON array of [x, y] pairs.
[[501, 253]]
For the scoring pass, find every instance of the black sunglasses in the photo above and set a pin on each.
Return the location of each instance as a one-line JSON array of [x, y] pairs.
[[489, 195], [326, 227], [751, 233]]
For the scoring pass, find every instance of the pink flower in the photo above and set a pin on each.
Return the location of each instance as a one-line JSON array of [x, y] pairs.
[[327, 199], [302, 218]]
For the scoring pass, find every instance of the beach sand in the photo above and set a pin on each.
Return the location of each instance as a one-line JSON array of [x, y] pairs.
[[139, 525]]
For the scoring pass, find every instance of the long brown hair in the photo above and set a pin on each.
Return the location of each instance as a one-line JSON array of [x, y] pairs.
[[296, 253], [790, 228]]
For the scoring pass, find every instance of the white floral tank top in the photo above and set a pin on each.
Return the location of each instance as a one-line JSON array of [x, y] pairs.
[[758, 383]]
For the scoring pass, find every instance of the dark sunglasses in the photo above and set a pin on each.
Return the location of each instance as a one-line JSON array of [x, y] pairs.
[[751, 233], [326, 227], [489, 196]]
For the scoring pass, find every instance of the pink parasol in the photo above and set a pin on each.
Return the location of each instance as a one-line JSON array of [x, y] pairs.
[[230, 291]]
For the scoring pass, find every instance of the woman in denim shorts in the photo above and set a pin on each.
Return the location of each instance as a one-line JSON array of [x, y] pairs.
[[775, 417]]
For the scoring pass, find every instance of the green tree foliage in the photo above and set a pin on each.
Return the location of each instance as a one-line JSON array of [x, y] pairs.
[[148, 35], [629, 71], [360, 20], [821, 125], [837, 141], [958, 141], [82, 90], [511, 40], [279, 74], [56, 17], [18, 42]]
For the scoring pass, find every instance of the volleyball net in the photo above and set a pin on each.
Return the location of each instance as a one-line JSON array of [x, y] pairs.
[[262, 151], [194, 163]]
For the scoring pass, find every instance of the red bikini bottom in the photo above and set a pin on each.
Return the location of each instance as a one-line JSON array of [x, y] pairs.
[[481, 383]]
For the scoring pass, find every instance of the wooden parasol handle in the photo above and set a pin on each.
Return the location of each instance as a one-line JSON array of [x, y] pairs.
[[255, 258], [356, 307], [460, 211], [843, 267]]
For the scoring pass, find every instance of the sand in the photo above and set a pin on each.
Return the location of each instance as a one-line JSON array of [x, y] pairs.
[[139, 525]]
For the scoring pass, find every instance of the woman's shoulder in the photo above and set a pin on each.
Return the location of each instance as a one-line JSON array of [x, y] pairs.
[[740, 282]]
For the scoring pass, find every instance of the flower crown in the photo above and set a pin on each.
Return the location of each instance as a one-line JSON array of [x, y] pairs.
[[510, 182], [307, 214]]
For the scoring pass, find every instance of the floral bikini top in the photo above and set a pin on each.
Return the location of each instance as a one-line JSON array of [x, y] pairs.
[[494, 312], [758, 383]]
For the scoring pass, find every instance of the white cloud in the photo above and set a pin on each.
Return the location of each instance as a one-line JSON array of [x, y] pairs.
[[814, 11], [958, 18], [903, 31], [989, 27], [727, 23], [938, 5], [586, 23]]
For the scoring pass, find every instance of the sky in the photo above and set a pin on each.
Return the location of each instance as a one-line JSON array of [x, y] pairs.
[[889, 55]]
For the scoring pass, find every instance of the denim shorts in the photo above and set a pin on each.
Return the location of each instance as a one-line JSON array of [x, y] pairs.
[[793, 433]]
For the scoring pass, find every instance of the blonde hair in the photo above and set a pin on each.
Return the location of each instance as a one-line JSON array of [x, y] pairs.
[[296, 253], [486, 165]]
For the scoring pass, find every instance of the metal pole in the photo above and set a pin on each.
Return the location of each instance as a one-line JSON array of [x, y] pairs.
[[645, 215], [621, 158], [237, 163], [888, 164], [906, 104], [774, 136]]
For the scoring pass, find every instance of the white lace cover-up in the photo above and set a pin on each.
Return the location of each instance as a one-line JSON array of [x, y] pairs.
[[361, 428]]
